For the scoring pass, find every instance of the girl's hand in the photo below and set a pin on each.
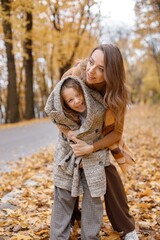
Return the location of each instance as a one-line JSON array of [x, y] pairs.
[[80, 147], [71, 134]]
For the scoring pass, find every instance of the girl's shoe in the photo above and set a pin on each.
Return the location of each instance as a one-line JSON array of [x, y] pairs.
[[131, 236]]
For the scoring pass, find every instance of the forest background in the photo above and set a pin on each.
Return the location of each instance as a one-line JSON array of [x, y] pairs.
[[41, 39]]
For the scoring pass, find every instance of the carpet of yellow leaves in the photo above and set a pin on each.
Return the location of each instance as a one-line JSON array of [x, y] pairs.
[[28, 188]]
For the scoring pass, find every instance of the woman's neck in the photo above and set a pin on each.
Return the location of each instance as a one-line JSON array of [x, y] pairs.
[[99, 87]]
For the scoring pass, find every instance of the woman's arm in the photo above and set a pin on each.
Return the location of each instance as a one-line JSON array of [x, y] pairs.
[[77, 70], [81, 148], [108, 140], [112, 132]]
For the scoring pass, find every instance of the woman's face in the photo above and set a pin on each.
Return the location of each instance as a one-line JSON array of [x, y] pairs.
[[95, 68], [74, 99]]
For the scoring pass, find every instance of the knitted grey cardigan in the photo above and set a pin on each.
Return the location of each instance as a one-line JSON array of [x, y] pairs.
[[66, 165]]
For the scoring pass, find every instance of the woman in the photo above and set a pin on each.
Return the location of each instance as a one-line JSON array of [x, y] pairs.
[[72, 105], [104, 72]]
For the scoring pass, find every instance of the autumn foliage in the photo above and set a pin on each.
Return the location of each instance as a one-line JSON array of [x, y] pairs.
[[26, 208]]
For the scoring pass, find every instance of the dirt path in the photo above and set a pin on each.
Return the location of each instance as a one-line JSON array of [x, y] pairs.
[[25, 139]]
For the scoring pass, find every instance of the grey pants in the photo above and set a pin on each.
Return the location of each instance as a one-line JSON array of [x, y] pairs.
[[91, 218]]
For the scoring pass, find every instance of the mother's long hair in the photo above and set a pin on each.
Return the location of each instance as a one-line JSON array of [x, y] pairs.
[[115, 97]]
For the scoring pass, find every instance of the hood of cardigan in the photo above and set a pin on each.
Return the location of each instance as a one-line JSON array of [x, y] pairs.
[[54, 110]]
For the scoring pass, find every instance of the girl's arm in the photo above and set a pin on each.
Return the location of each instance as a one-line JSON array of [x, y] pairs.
[[67, 132], [63, 129]]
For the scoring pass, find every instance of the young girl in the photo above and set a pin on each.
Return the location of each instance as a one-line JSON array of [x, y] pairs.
[[74, 106]]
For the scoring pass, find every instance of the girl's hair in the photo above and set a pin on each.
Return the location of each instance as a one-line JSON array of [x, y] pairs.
[[115, 97], [71, 114]]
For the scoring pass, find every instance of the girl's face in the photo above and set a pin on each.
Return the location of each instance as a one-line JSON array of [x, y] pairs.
[[74, 99], [95, 68]]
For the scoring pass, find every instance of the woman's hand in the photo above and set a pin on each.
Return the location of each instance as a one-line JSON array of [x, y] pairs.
[[80, 147], [71, 134]]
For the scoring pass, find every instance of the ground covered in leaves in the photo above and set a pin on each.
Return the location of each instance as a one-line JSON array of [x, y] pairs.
[[28, 188]]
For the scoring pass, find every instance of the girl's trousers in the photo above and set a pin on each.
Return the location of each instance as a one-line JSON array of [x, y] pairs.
[[91, 218], [116, 203]]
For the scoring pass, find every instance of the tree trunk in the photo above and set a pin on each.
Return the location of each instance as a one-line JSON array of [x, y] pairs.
[[12, 114], [156, 57], [51, 68], [28, 66]]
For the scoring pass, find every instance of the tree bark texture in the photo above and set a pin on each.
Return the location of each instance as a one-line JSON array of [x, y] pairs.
[[28, 66], [12, 114]]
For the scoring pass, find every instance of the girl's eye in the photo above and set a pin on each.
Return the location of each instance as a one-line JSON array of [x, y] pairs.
[[70, 100]]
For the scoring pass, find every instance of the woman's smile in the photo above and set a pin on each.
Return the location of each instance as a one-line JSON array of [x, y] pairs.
[[95, 68]]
